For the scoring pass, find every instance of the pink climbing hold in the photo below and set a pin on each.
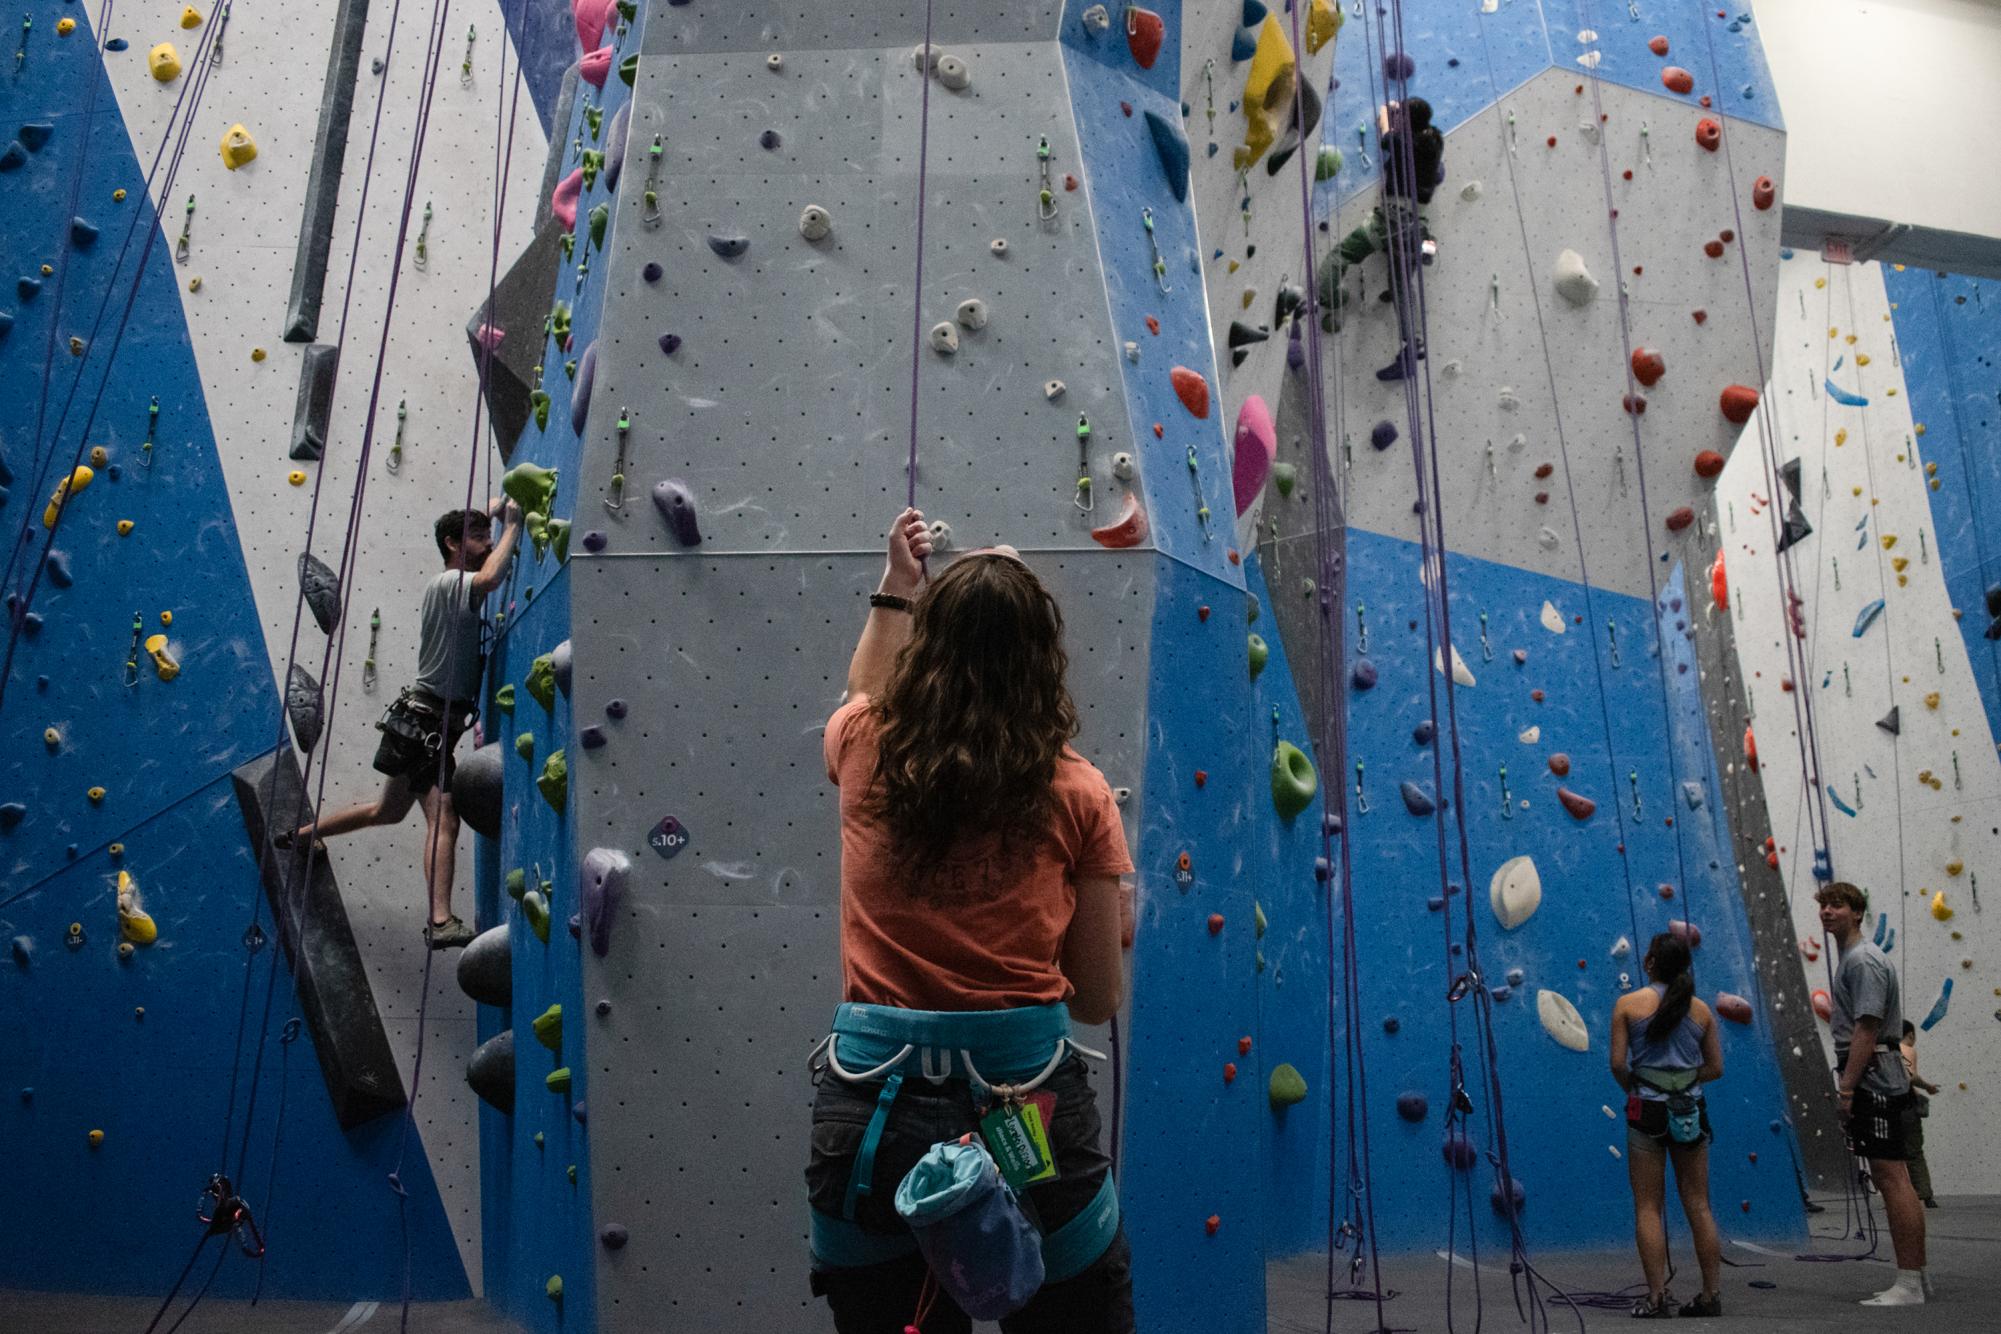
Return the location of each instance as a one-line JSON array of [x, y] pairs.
[[1128, 530], [1763, 193], [1709, 133], [1738, 402], [489, 337], [1680, 518], [1658, 45], [1257, 448], [1677, 80], [1733, 1007], [1685, 931], [1580, 807], [595, 67], [1708, 463], [1192, 390], [1648, 366], [593, 17], [563, 203], [1144, 32]]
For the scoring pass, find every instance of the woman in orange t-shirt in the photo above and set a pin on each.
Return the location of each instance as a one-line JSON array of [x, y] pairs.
[[981, 909]]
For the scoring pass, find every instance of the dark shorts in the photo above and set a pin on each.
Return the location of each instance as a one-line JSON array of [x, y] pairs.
[[1875, 1126], [414, 730], [882, 1298], [1647, 1126]]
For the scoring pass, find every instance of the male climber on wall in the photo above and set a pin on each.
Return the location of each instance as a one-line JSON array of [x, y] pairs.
[[421, 729], [1413, 155]]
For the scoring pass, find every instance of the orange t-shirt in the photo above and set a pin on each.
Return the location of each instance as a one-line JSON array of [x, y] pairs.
[[963, 939]]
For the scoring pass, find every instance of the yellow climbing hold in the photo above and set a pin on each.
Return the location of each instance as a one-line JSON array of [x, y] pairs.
[[1841, 437], [194, 283], [96, 1138], [95, 794], [1898, 563], [257, 354], [1323, 20], [116, 849], [1861, 358], [165, 62], [1889, 540], [64, 27], [1919, 427], [124, 527], [99, 456], [163, 661], [1819, 283], [166, 618], [237, 147], [66, 488], [118, 195], [191, 17], [76, 346], [296, 477], [1931, 701], [1940, 908], [48, 269], [1955, 866], [1268, 91], [133, 921]]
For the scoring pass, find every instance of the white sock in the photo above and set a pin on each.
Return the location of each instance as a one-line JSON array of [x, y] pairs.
[[1908, 1290]]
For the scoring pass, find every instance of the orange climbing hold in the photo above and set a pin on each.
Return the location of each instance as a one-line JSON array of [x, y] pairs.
[[1738, 402], [1144, 32], [1823, 1006], [1648, 366], [1763, 192], [1680, 518], [1709, 133], [1719, 582], [1677, 80], [1192, 390], [1658, 45], [1708, 463], [1215, 924], [1751, 761]]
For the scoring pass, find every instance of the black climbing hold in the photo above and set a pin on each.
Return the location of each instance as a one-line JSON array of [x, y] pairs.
[[613, 1236], [670, 343], [1383, 434], [651, 273], [677, 506], [82, 233], [768, 140], [36, 133], [305, 706], [312, 409], [1412, 1106], [6, 327], [486, 967], [1242, 334], [594, 540], [321, 587], [1892, 722], [58, 570], [1459, 1151], [1416, 800], [28, 288], [1423, 732], [490, 1071], [1789, 473], [591, 738], [11, 814], [1509, 1203], [614, 708], [13, 157], [1796, 526], [580, 393], [476, 792], [1391, 1023], [614, 140], [728, 247], [115, 44], [1172, 149]]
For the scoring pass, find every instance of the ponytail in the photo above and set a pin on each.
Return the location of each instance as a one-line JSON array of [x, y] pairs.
[[1670, 963]]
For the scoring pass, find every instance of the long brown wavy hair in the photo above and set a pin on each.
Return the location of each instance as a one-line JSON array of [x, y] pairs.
[[976, 714]]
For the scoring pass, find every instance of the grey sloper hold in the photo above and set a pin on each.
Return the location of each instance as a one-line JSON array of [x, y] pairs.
[[486, 967], [676, 504], [476, 791], [728, 247], [601, 886], [614, 145], [305, 705], [559, 660], [321, 587], [490, 1071]]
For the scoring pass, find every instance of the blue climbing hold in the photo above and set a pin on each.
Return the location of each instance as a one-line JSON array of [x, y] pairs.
[[57, 565], [1844, 398], [1867, 617], [11, 814], [6, 327], [1173, 150], [36, 134], [13, 157], [1412, 1106], [1938, 1006], [1244, 45], [1383, 435], [1840, 805], [1785, 252], [82, 233], [29, 288], [115, 44], [1254, 13], [1416, 800]]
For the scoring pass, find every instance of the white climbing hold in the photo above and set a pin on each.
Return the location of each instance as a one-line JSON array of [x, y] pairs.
[[998, 246], [1561, 1021], [1451, 369], [941, 535], [953, 73], [1122, 795], [1471, 191], [1122, 466], [1510, 400], [1132, 353], [1552, 619], [815, 223], [1546, 537], [774, 62], [1621, 948], [1610, 1115], [1529, 735], [1573, 281], [1097, 19], [1053, 390], [1588, 129], [918, 60], [1461, 673], [972, 313], [945, 338], [1586, 36], [1590, 60], [1515, 892]]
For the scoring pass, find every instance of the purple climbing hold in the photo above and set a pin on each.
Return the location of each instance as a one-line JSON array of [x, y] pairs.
[[1295, 351], [728, 247], [1364, 674], [1424, 732], [1509, 1204], [1521, 657], [591, 738], [580, 393], [614, 708], [613, 1236], [652, 271], [1384, 435], [670, 343], [594, 540], [583, 1116], [768, 140], [1416, 800], [1391, 1024], [677, 506], [1459, 1151], [1398, 65], [601, 884], [1413, 1106]]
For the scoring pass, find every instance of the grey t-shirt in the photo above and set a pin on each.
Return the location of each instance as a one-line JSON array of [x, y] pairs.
[[448, 644], [1865, 986]]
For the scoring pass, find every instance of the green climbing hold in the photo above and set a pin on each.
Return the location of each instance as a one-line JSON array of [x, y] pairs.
[[1293, 782], [517, 884], [1259, 960], [593, 163], [503, 698], [1260, 651], [558, 1081], [1328, 166], [559, 539], [549, 1028], [1284, 476], [524, 746], [536, 909], [542, 681], [1287, 1087], [536, 524], [538, 1139], [1258, 922], [600, 219], [559, 327], [530, 487], [573, 1174], [555, 781], [554, 1287], [628, 70], [539, 400]]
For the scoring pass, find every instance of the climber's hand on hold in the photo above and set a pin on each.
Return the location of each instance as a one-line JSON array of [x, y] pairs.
[[909, 546]]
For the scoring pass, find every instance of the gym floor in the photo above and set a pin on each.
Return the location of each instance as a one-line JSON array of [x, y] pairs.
[[1964, 1235]]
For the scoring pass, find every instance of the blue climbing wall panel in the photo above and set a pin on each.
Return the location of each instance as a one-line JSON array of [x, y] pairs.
[[545, 41], [143, 1049], [1950, 341]]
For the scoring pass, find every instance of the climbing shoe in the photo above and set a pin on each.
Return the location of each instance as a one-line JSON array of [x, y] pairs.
[[1647, 1308], [450, 934], [1403, 367], [1703, 1305]]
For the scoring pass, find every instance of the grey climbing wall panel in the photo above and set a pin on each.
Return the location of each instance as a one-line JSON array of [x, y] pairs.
[[790, 26]]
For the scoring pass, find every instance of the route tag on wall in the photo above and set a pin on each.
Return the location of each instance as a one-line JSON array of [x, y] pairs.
[[668, 837]]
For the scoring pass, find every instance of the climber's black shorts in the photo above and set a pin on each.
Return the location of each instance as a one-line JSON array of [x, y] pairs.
[[1875, 1125], [414, 729]]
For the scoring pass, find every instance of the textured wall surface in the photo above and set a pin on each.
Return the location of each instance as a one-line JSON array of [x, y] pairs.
[[1893, 610]]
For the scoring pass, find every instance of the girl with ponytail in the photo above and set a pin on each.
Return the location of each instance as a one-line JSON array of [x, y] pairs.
[[1664, 1049]]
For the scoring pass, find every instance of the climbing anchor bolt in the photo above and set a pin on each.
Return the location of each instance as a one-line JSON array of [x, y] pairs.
[[1046, 196], [132, 655], [374, 639], [187, 226], [614, 501], [1083, 499], [422, 258], [1159, 264], [465, 66], [394, 463]]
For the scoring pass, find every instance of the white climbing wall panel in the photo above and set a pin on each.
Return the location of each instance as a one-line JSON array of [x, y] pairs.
[[242, 248], [1924, 822]]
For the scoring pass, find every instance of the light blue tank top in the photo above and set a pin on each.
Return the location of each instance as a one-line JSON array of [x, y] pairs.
[[1679, 1052]]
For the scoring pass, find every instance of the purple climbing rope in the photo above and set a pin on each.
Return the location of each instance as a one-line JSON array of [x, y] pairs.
[[917, 283]]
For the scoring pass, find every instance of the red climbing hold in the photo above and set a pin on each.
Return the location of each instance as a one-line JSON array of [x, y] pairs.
[[1536, 695], [1069, 183], [1580, 807], [1542, 497], [1128, 530], [1738, 402], [1192, 390], [1648, 366], [1705, 99], [1658, 45], [1229, 1072], [1144, 31], [1215, 924], [1708, 134], [1201, 778], [1713, 248], [1635, 404], [1738, 1011], [1680, 518], [1215, 1221], [1726, 236], [1559, 764], [1719, 582], [1159, 431], [1763, 192], [1202, 612], [1153, 326], [1544, 469], [1629, 173], [1126, 107], [1699, 316], [1685, 931], [1243, 1046], [1677, 80], [1708, 463], [1751, 760], [1552, 141]]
